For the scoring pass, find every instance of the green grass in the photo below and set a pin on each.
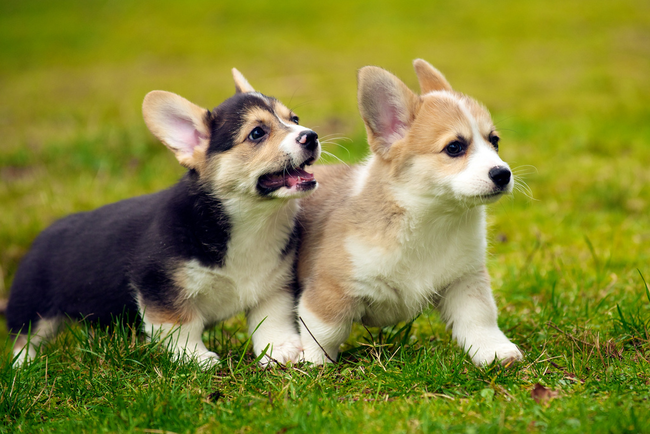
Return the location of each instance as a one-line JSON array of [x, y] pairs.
[[567, 84]]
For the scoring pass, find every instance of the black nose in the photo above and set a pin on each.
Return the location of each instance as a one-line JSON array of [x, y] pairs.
[[500, 176], [308, 140]]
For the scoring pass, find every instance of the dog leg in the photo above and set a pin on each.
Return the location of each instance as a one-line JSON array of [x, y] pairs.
[[183, 340], [272, 324], [26, 345], [325, 323], [468, 307]]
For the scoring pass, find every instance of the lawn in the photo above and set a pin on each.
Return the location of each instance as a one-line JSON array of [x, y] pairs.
[[568, 86]]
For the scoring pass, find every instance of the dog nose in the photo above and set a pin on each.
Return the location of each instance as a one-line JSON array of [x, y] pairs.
[[500, 176], [308, 140]]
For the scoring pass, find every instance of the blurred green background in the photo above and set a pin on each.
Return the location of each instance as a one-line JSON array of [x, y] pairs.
[[567, 83]]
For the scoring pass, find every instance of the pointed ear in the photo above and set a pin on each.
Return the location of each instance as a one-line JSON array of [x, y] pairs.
[[241, 84], [429, 77], [387, 107], [179, 124]]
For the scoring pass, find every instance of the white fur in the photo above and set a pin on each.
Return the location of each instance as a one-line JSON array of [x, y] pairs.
[[474, 181], [437, 257], [271, 325], [253, 279], [361, 177], [469, 310], [401, 280], [290, 143], [183, 340], [45, 329], [440, 259], [329, 337]]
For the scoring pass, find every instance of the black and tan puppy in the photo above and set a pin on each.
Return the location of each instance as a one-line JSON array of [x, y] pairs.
[[219, 242]]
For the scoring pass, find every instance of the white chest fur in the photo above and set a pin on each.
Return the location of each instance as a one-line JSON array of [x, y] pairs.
[[254, 266], [399, 279]]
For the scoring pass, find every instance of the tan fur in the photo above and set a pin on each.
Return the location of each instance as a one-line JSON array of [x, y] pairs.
[[429, 77], [254, 179], [176, 316], [374, 216], [230, 175], [382, 83], [241, 84], [235, 172], [330, 300], [180, 313], [384, 239], [330, 215]]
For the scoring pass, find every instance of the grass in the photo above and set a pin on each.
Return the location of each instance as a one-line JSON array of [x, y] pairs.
[[567, 86]]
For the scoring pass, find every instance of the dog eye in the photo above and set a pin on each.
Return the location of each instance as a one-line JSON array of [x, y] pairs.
[[257, 133], [495, 141], [295, 120], [455, 149]]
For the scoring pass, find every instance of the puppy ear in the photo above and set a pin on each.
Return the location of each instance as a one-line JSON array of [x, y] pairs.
[[387, 107], [429, 77], [241, 84], [179, 124]]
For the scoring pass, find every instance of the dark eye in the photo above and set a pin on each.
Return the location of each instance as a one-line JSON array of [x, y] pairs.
[[455, 149], [495, 141], [295, 119], [257, 133]]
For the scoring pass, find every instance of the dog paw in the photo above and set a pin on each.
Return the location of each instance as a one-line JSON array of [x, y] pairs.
[[207, 360], [505, 353], [314, 356], [283, 353]]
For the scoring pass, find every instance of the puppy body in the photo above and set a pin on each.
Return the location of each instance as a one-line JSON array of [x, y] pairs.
[[220, 241], [383, 240]]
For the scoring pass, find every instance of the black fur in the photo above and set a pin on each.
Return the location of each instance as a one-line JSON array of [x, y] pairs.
[[93, 265], [227, 119], [86, 265], [292, 243]]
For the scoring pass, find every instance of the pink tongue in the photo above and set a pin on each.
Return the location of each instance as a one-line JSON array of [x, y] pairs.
[[298, 176]]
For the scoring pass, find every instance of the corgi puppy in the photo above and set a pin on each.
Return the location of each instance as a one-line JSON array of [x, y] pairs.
[[384, 240], [220, 241]]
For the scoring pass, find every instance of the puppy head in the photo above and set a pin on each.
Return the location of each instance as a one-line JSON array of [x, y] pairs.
[[441, 144], [250, 145]]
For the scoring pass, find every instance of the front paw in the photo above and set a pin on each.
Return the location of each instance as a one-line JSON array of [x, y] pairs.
[[315, 356], [208, 360], [205, 359], [283, 353], [506, 353]]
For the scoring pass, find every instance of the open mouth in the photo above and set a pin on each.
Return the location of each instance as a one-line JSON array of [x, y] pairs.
[[296, 178]]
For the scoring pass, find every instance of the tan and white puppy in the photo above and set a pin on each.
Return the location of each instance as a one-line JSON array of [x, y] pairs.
[[219, 242], [383, 240]]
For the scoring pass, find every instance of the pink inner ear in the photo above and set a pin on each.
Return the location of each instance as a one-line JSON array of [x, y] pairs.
[[184, 135], [391, 127]]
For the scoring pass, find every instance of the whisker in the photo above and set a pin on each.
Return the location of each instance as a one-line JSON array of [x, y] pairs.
[[523, 188], [525, 169], [329, 142], [501, 120], [292, 95], [300, 104], [334, 156], [335, 137]]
